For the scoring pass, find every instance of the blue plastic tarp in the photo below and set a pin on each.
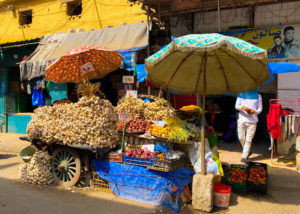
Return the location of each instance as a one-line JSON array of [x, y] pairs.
[[144, 185], [281, 67], [141, 72], [130, 57], [129, 60]]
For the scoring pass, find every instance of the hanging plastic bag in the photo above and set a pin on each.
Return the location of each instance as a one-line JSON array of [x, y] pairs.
[[37, 97], [28, 89], [218, 162], [195, 157], [175, 122]]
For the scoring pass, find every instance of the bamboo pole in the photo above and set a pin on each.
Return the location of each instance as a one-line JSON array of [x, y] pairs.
[[203, 170]]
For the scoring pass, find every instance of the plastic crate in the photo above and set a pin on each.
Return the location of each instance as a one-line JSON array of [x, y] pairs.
[[255, 186], [238, 186], [169, 164], [114, 158], [138, 161], [99, 183]]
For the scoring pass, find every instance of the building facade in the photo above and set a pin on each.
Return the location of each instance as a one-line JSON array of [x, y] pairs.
[[27, 20], [25, 23]]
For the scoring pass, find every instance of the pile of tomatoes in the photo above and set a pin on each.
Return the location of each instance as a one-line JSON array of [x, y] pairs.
[[238, 175], [258, 175]]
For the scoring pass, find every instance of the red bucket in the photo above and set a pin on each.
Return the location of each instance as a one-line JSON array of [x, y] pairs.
[[221, 195]]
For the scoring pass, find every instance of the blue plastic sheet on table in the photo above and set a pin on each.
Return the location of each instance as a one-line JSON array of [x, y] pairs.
[[160, 148], [144, 185], [281, 67], [141, 72]]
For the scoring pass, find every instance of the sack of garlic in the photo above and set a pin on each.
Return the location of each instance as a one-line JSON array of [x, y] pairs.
[[91, 121]]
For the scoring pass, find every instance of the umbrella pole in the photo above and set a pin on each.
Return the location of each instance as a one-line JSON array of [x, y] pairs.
[[203, 170]]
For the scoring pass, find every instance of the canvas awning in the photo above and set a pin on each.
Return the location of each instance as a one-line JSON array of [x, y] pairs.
[[53, 46]]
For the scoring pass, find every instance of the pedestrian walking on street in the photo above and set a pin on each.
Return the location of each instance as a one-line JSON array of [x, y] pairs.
[[247, 122]]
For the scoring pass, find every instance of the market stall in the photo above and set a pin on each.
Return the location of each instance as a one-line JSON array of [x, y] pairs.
[[142, 149]]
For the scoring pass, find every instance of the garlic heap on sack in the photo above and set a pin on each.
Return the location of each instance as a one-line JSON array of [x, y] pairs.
[[160, 109], [90, 121], [133, 107], [38, 170]]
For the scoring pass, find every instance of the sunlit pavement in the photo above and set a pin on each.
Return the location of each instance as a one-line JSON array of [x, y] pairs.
[[283, 192]]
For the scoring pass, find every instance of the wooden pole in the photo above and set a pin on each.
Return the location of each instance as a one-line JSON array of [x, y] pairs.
[[203, 170]]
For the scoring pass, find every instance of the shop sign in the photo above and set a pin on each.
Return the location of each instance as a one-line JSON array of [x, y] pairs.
[[124, 117], [131, 94], [280, 41], [128, 79]]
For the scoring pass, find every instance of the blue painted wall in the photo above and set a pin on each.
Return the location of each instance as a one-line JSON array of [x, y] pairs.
[[18, 123]]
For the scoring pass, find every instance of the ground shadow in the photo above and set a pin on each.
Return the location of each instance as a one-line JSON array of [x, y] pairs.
[[8, 165], [16, 197], [6, 156]]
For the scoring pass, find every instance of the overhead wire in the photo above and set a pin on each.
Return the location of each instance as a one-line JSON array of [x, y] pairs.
[[5, 31], [56, 27], [67, 22], [45, 32], [283, 16]]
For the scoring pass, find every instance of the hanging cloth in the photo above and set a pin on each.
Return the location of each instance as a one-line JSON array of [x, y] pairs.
[[273, 120]]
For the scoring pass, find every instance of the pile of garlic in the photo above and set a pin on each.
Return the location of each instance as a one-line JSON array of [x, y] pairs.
[[91, 121], [160, 109], [133, 107], [38, 170]]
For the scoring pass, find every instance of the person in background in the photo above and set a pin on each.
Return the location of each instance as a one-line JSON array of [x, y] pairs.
[[289, 43], [276, 48], [247, 121]]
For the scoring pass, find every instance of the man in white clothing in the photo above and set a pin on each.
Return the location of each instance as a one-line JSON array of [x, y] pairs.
[[247, 121]]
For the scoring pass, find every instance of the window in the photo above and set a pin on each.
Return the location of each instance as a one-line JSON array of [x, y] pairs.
[[25, 17], [74, 8]]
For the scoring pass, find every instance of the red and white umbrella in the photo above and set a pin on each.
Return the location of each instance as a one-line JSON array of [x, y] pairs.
[[84, 63]]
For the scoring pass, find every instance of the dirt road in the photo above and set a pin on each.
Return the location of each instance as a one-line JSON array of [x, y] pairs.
[[17, 198]]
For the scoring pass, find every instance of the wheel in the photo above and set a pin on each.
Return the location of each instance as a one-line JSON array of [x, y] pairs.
[[66, 166]]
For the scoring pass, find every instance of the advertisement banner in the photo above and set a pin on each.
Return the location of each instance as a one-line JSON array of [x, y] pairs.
[[280, 42]]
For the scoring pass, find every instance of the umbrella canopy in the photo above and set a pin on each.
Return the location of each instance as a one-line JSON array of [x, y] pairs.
[[83, 64], [232, 65], [208, 64]]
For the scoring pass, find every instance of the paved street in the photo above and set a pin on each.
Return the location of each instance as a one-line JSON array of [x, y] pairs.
[[17, 198]]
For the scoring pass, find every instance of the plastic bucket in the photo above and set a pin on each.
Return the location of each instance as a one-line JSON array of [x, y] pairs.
[[27, 153], [221, 195]]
